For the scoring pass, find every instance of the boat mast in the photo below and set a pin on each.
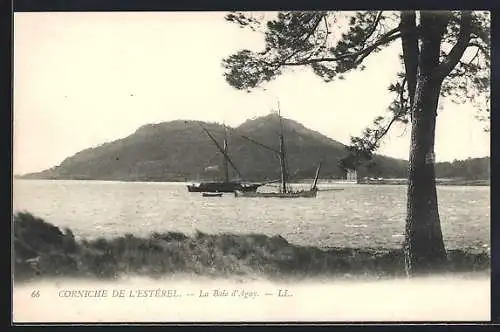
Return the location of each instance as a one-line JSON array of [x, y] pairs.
[[221, 149], [225, 148], [284, 174]]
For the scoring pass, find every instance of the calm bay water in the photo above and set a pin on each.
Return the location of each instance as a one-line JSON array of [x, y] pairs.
[[358, 216]]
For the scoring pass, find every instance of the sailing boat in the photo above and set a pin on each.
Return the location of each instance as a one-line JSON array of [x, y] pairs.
[[226, 186], [285, 191]]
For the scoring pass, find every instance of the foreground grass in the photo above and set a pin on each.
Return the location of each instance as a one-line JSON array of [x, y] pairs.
[[43, 250]]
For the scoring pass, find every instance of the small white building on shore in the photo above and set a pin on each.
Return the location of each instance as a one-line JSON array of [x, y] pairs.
[[352, 176]]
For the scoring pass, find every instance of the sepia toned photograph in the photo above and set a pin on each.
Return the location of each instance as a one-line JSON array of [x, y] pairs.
[[292, 166]]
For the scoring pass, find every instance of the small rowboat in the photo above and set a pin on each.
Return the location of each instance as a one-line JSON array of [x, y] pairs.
[[211, 194]]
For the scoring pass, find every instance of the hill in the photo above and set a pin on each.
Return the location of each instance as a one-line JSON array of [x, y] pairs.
[[180, 150]]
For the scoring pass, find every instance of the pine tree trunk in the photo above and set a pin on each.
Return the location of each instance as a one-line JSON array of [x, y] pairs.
[[424, 246]]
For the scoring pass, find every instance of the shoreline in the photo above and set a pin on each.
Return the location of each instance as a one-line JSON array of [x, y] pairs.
[[42, 250], [439, 182], [396, 182]]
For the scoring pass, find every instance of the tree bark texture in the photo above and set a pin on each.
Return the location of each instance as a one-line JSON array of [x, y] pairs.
[[424, 246]]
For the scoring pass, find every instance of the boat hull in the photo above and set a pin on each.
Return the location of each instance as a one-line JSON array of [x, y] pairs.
[[222, 187], [296, 194], [212, 194]]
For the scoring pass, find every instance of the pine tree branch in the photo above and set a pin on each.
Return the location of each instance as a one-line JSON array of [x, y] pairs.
[[396, 116], [380, 133], [452, 59], [402, 100], [373, 28], [309, 34], [386, 38], [321, 18], [372, 137]]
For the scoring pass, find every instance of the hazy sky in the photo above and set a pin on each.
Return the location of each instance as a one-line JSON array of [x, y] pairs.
[[82, 79]]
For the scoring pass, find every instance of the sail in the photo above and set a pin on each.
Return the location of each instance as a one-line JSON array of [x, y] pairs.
[[314, 186], [226, 185], [223, 151], [284, 190]]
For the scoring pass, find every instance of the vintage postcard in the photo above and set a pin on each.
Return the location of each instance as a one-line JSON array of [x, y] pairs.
[[251, 166]]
